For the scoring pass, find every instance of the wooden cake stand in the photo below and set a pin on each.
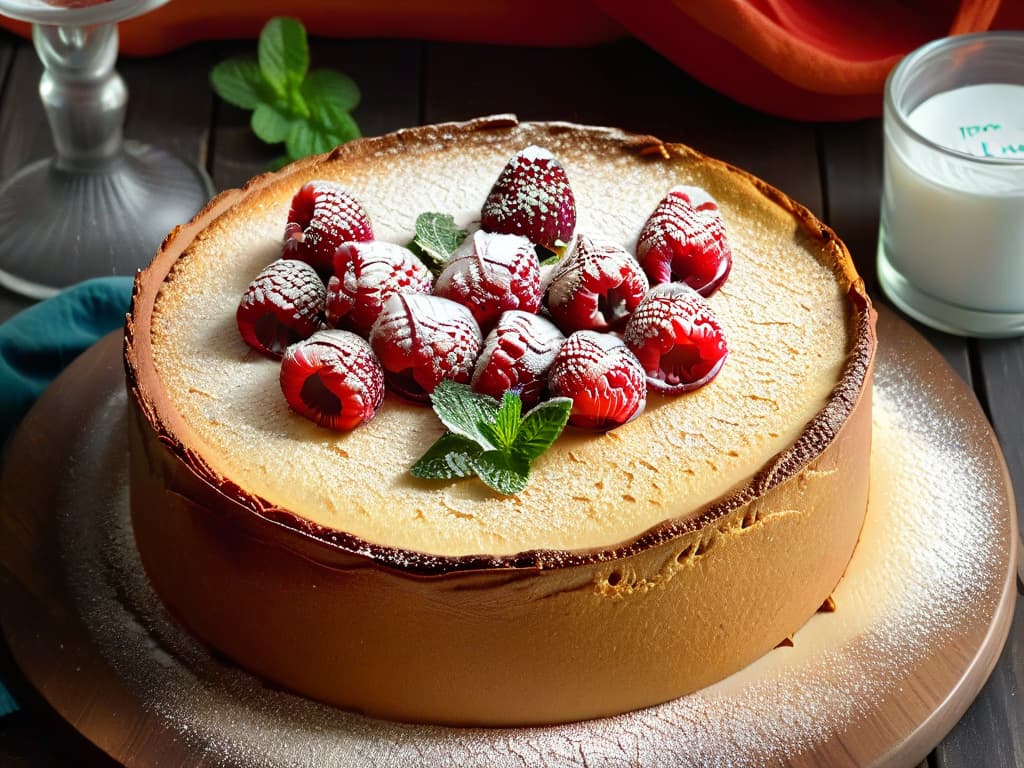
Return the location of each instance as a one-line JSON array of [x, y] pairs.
[[922, 613]]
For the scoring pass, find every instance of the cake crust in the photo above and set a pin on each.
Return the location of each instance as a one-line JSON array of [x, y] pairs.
[[536, 635]]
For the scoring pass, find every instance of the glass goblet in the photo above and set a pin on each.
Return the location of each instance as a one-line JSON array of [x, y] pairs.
[[101, 205]]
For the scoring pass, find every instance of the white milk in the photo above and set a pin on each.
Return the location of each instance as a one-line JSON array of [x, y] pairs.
[[954, 228]]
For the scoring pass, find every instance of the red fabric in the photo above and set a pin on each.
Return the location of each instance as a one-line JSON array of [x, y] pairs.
[[806, 59]]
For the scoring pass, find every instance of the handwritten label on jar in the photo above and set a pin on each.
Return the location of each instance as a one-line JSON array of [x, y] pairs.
[[984, 120]]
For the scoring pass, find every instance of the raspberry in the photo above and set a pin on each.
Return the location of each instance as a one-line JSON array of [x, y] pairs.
[[603, 378], [677, 339], [323, 216], [421, 339], [517, 355], [333, 379], [532, 198], [284, 304], [492, 273], [365, 276], [595, 287], [684, 241]]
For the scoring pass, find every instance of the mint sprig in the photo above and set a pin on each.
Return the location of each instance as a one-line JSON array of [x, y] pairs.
[[491, 440], [437, 236], [307, 111]]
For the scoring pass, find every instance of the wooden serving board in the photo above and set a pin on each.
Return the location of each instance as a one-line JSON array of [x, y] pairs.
[[922, 613]]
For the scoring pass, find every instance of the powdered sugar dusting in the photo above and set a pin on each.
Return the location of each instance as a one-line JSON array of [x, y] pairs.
[[924, 573], [517, 353], [531, 197]]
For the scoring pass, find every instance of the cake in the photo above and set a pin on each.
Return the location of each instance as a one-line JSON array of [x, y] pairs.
[[640, 564]]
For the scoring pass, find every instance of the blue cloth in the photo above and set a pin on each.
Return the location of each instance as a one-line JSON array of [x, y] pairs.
[[39, 342]]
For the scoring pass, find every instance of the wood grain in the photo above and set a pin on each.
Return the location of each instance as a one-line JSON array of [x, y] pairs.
[[167, 103], [992, 731], [24, 133]]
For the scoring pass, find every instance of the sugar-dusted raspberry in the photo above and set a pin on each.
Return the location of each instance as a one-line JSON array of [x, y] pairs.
[[517, 354], [491, 273], [365, 276], [532, 197], [603, 378], [323, 215], [594, 287], [421, 339], [284, 304], [677, 339], [684, 241], [333, 379]]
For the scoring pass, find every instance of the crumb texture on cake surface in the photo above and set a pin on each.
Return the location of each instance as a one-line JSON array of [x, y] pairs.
[[786, 316]]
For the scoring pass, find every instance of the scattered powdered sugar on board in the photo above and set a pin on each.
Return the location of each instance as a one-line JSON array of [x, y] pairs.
[[922, 570]]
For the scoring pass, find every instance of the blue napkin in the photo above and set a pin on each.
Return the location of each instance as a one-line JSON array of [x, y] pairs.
[[39, 342]]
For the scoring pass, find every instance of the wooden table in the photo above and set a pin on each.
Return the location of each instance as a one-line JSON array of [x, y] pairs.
[[834, 169]]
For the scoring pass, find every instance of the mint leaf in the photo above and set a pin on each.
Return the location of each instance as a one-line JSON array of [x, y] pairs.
[[450, 457], [504, 473], [462, 411], [283, 53], [541, 427], [270, 124], [437, 236], [491, 440], [502, 433], [306, 138], [308, 111], [333, 123], [240, 82], [328, 86]]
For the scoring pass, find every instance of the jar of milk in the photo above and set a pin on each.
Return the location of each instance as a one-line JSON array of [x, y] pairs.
[[951, 245]]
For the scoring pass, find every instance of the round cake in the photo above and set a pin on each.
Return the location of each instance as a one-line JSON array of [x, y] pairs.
[[639, 564]]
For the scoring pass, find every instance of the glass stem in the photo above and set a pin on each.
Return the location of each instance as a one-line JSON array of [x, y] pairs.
[[84, 97]]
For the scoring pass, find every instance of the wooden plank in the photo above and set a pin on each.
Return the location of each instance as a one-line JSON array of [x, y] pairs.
[[851, 167], [623, 84], [852, 171], [388, 74], [992, 731], [167, 103], [24, 134]]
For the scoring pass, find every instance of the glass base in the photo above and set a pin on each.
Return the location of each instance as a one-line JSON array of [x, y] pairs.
[[60, 227], [941, 315]]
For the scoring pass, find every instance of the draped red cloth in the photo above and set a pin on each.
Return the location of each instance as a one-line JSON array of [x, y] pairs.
[[805, 59]]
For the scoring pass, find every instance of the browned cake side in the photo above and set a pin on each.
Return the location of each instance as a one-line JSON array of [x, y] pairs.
[[639, 565]]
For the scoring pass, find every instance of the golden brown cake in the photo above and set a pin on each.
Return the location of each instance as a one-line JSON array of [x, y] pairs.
[[639, 564]]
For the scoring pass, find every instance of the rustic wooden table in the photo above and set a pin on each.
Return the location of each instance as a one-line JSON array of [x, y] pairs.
[[833, 168]]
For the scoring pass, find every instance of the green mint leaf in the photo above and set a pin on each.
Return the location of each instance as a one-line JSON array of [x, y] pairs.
[[502, 433], [283, 53], [308, 111], [270, 124], [328, 86], [504, 473], [437, 236], [449, 457], [303, 140], [541, 427], [240, 82], [333, 122], [462, 411], [325, 129]]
